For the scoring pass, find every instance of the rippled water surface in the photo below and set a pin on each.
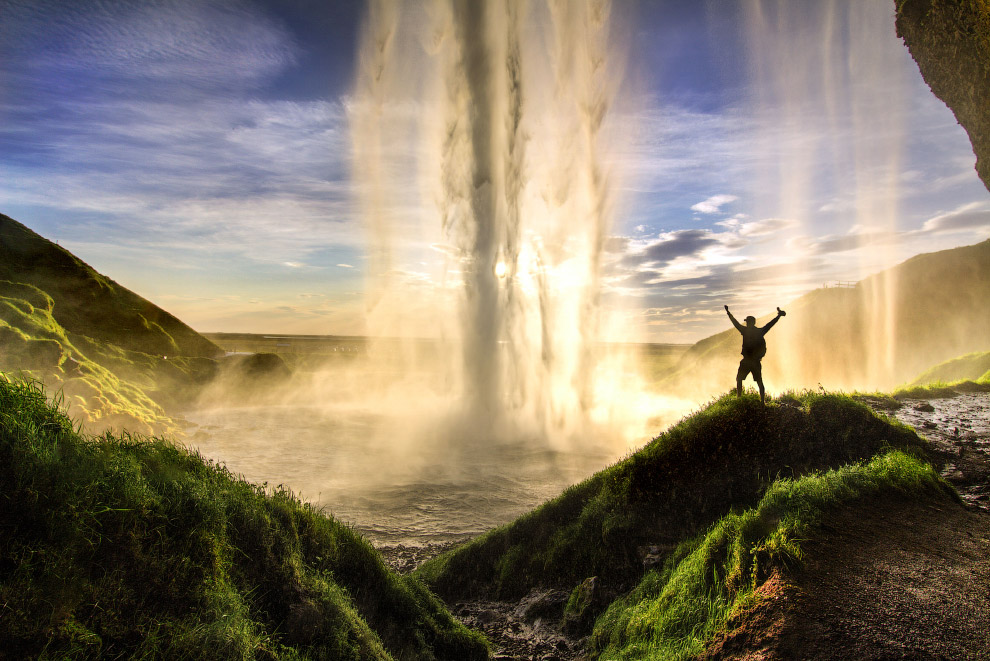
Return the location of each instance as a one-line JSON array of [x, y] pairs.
[[388, 490]]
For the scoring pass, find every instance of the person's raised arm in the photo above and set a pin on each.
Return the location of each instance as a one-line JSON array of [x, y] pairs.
[[733, 319], [780, 313]]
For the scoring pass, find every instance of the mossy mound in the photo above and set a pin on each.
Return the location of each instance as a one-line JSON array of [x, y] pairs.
[[119, 546], [675, 612], [721, 459]]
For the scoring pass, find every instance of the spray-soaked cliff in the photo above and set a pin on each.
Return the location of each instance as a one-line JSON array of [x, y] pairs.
[[950, 41]]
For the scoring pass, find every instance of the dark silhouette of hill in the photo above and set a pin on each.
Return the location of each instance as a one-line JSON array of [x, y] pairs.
[[878, 334], [90, 304]]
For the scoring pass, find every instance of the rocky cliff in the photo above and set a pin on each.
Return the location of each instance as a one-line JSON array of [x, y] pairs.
[[950, 41]]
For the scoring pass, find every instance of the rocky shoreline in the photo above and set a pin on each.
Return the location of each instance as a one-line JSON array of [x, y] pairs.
[[518, 631]]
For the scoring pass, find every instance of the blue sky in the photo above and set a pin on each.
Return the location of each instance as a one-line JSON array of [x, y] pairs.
[[198, 153]]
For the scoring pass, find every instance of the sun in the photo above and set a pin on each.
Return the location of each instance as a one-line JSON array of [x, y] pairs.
[[500, 269]]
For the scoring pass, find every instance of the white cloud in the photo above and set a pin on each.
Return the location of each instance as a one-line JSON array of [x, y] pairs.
[[713, 204]]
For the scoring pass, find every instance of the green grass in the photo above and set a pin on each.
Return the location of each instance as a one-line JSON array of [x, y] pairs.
[[718, 460], [131, 547], [970, 367], [941, 390], [89, 303], [672, 614], [90, 374]]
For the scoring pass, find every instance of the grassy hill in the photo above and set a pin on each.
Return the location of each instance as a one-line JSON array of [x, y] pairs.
[[722, 458], [971, 367], [127, 547], [880, 333], [116, 357], [87, 303]]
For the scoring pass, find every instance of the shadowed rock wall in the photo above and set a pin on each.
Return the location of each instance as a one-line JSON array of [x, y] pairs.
[[950, 41]]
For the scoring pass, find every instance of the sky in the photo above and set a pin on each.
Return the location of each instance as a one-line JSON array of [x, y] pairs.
[[199, 153]]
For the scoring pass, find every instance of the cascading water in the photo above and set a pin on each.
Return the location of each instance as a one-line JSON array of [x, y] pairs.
[[499, 112], [830, 82]]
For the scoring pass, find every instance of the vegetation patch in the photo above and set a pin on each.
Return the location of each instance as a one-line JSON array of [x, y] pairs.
[[124, 546], [673, 613], [970, 367], [939, 390], [721, 459]]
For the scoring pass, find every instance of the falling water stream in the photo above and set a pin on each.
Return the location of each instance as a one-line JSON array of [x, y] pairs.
[[484, 142]]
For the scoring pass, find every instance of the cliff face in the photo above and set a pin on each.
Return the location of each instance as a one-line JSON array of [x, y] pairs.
[[950, 41]]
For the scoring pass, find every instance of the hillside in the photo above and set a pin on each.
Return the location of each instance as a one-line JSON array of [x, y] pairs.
[[660, 550], [124, 547], [116, 358], [973, 367], [87, 303], [881, 333]]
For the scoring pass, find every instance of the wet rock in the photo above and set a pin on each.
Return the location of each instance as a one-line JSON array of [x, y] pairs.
[[924, 407], [542, 604], [654, 555]]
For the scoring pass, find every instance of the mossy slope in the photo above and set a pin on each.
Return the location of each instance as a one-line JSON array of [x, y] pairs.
[[117, 358], [723, 458], [117, 547], [88, 303], [971, 367]]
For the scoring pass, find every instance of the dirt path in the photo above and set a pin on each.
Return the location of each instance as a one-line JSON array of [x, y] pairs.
[[891, 579]]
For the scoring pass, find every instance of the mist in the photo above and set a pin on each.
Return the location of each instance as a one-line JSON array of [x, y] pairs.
[[490, 151]]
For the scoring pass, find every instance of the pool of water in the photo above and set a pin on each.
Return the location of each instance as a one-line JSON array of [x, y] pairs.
[[362, 468]]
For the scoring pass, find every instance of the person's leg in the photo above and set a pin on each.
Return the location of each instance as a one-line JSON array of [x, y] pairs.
[[758, 377], [740, 375]]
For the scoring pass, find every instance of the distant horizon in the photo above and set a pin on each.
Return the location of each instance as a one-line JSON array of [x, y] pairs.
[[272, 336]]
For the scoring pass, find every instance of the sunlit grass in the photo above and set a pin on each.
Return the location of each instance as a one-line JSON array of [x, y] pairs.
[[673, 613], [126, 546], [722, 458]]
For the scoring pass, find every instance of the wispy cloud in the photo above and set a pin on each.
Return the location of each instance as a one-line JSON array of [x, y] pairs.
[[973, 216], [172, 145]]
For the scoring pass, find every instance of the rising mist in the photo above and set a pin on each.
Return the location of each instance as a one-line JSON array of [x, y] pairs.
[[499, 116]]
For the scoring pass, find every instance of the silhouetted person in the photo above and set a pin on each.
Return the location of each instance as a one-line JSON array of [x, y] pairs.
[[754, 347]]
